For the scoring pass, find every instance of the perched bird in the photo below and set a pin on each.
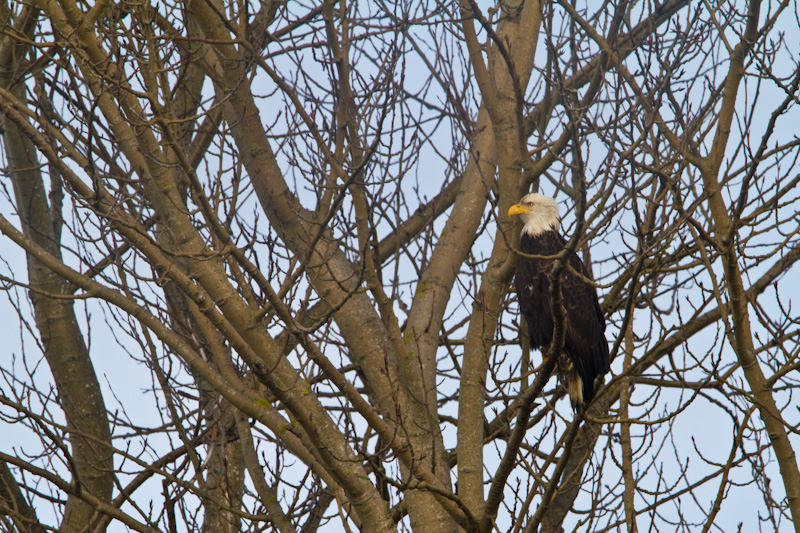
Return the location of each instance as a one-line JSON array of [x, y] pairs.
[[584, 360]]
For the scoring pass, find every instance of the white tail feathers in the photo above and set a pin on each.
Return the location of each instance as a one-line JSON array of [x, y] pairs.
[[569, 376]]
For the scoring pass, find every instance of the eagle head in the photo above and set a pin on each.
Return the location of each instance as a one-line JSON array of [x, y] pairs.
[[539, 213]]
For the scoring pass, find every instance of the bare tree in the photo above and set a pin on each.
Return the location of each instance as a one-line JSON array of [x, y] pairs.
[[258, 269]]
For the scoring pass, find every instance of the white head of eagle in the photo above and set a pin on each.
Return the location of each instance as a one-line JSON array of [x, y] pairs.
[[585, 359], [539, 213]]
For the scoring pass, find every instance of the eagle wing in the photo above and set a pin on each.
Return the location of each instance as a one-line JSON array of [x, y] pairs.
[[584, 341]]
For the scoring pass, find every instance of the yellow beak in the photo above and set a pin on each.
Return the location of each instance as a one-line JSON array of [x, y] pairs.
[[517, 209]]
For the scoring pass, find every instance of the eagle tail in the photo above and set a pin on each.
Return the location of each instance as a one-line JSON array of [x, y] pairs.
[[573, 381]]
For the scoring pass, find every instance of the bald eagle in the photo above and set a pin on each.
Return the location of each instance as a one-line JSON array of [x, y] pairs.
[[585, 357]]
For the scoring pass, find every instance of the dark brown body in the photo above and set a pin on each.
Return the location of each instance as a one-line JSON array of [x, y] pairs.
[[585, 344]]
